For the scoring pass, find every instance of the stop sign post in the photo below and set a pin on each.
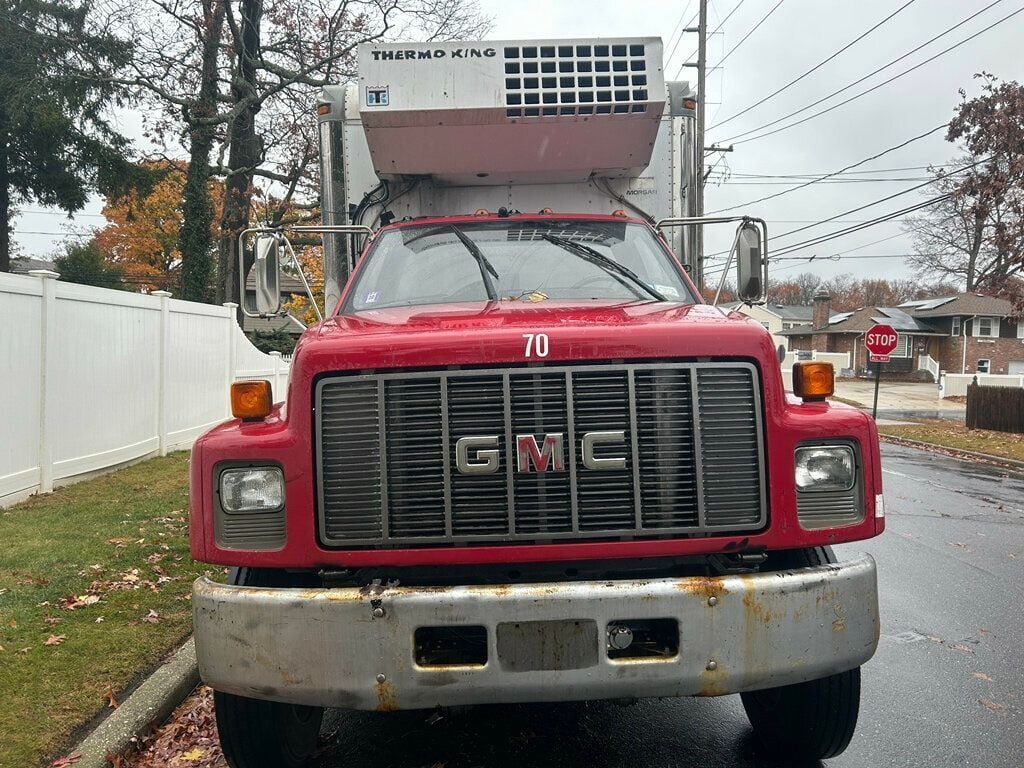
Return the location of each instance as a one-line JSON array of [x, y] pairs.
[[880, 341]]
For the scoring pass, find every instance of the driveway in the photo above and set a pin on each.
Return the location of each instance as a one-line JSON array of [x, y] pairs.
[[905, 398]]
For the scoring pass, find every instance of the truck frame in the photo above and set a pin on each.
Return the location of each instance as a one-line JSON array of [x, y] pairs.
[[521, 459]]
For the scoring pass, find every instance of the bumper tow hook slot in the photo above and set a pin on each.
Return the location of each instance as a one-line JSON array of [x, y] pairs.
[[620, 637]]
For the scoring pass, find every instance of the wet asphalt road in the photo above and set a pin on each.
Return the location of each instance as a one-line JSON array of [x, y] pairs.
[[946, 687]]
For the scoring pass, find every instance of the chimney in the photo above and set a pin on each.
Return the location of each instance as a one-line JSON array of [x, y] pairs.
[[819, 320], [822, 310]]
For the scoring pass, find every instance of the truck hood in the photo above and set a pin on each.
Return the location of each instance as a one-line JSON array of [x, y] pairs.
[[490, 332]]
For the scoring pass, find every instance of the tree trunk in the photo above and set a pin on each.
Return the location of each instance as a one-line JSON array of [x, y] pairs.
[[977, 237], [194, 239], [244, 155]]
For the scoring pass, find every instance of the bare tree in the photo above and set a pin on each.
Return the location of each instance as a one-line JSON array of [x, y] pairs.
[[956, 239], [237, 82]]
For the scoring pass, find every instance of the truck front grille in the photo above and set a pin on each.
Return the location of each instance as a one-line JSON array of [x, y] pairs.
[[685, 455]]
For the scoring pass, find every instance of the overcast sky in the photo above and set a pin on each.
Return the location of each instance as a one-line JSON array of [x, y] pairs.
[[797, 36]]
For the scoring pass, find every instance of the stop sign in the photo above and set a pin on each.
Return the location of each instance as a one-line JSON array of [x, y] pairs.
[[880, 341]]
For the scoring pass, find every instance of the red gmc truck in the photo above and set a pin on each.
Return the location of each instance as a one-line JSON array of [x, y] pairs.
[[521, 459]]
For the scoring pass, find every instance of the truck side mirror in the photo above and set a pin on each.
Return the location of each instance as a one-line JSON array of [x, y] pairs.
[[749, 254], [267, 272]]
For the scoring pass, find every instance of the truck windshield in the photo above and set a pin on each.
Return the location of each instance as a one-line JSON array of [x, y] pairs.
[[516, 260]]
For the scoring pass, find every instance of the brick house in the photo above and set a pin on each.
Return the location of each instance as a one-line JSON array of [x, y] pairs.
[[966, 333]]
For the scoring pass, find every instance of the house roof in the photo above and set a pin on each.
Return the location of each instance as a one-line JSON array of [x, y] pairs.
[[289, 284], [789, 312], [863, 319], [960, 304], [22, 265]]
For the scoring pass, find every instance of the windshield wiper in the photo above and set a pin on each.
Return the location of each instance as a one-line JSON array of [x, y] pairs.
[[611, 266], [481, 260]]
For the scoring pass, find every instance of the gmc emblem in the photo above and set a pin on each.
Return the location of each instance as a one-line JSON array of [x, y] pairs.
[[481, 455]]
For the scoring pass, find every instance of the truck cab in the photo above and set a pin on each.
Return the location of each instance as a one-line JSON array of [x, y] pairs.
[[521, 459]]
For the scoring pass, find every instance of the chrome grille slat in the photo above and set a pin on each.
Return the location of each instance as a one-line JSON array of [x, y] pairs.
[[387, 454]]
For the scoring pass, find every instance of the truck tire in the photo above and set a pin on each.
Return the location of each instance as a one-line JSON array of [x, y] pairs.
[[813, 720], [265, 734]]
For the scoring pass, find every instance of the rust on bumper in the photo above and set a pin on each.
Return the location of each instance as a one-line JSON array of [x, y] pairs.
[[353, 648]]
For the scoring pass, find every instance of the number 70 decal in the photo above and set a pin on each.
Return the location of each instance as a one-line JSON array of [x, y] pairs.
[[536, 344]]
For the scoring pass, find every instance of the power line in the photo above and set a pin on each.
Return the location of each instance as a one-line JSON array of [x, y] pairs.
[[835, 173], [882, 84], [682, 31], [726, 181], [740, 174], [732, 50], [713, 32], [816, 67], [867, 76]]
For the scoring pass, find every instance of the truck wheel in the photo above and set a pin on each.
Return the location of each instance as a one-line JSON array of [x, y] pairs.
[[265, 734], [812, 720]]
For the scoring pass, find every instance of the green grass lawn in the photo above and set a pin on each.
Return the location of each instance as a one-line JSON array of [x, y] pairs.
[[948, 433], [95, 582]]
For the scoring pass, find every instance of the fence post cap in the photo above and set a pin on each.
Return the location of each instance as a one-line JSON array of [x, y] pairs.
[[44, 274], [160, 293], [230, 305], [274, 353]]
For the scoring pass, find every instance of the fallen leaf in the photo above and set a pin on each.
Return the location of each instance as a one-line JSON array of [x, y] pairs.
[[55, 639], [983, 676], [989, 704], [194, 755], [13, 624], [99, 619], [52, 620], [71, 759], [2, 649], [24, 650], [111, 698], [960, 647], [152, 617]]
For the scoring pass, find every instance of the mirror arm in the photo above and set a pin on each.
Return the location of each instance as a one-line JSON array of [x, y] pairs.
[[728, 266], [302, 276]]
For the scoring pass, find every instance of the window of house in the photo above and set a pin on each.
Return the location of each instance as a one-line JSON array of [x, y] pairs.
[[956, 326], [983, 365], [1020, 328], [766, 326], [986, 327], [903, 346]]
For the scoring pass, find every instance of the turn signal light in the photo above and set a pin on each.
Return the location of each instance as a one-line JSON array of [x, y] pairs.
[[250, 400], [323, 109], [482, 212], [813, 381]]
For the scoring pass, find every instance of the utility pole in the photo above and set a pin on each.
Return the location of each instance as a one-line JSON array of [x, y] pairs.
[[702, 43]]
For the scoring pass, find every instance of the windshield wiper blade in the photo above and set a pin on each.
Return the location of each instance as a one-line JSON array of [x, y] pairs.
[[609, 265], [481, 260]]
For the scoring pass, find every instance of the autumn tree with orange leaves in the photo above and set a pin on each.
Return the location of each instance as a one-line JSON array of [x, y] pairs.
[[143, 233]]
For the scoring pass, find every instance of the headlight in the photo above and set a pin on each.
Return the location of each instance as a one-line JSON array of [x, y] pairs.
[[825, 468], [252, 490]]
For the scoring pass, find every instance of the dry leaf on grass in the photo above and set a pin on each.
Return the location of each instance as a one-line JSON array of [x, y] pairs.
[[71, 759], [152, 617], [111, 698], [55, 639]]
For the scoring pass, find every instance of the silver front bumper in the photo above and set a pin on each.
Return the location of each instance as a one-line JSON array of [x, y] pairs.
[[353, 648]]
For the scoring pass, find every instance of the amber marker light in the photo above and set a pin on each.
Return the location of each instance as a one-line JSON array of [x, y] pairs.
[[323, 109], [250, 400], [813, 381]]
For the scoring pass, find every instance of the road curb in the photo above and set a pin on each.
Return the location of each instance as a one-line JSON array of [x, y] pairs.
[[1011, 464], [149, 705]]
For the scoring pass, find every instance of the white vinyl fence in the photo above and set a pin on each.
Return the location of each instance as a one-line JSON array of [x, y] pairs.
[[955, 384], [92, 378]]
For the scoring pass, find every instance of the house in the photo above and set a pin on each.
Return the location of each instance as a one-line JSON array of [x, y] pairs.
[[290, 284], [22, 265], [980, 334], [775, 317], [965, 333]]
